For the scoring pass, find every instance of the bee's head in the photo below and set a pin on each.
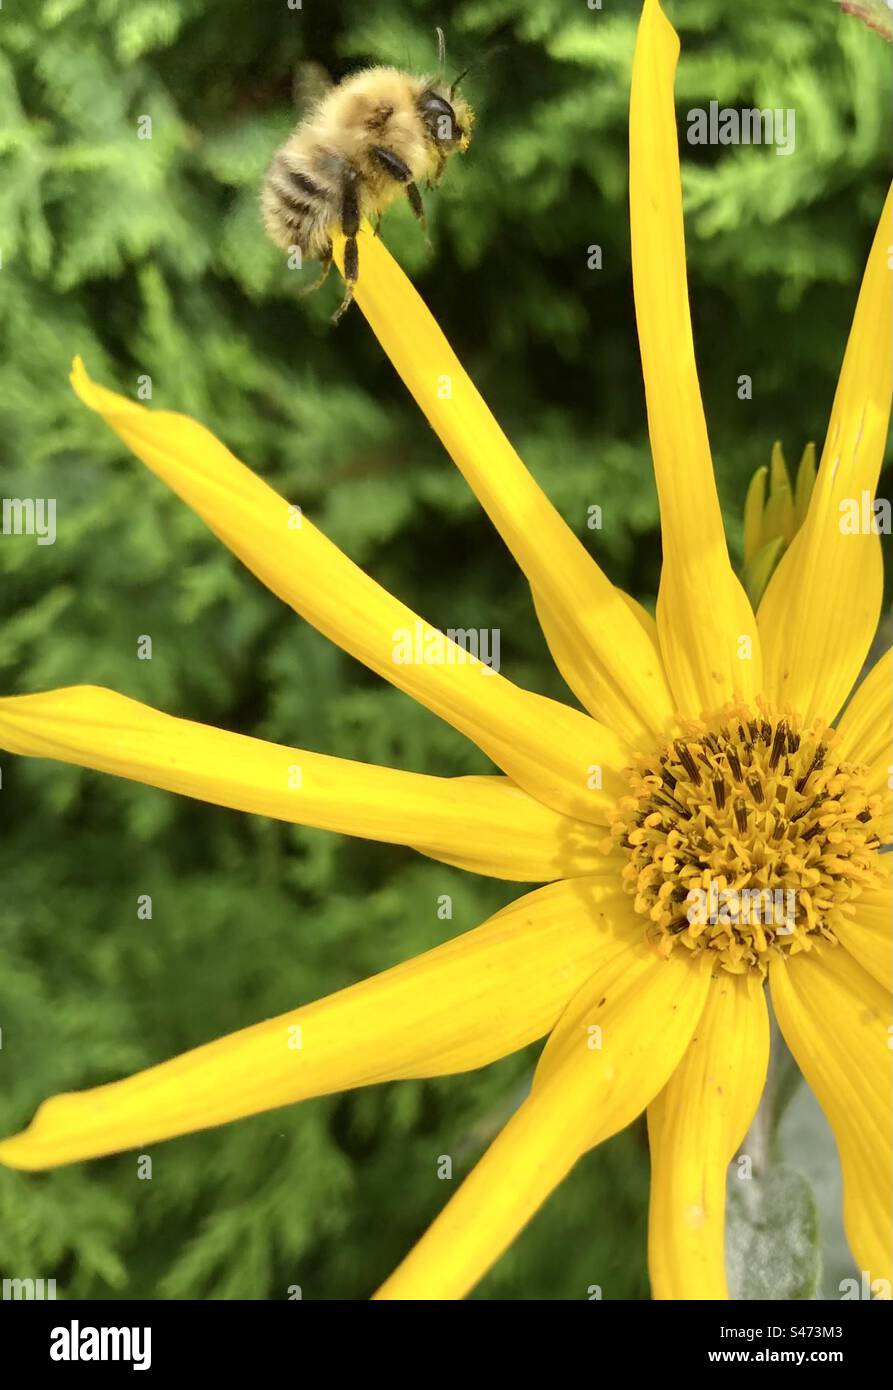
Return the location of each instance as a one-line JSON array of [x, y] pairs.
[[447, 118]]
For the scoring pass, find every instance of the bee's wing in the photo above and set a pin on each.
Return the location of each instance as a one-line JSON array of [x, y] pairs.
[[311, 82]]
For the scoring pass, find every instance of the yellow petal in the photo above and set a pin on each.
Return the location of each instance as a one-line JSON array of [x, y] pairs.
[[866, 726], [604, 656], [779, 516], [694, 1128], [754, 504], [462, 1005], [758, 571], [484, 824], [544, 746], [869, 935], [702, 611], [582, 668], [819, 614], [642, 616], [804, 486], [616, 1045], [835, 1019]]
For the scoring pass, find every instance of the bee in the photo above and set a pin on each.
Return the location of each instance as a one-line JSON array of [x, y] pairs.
[[368, 140]]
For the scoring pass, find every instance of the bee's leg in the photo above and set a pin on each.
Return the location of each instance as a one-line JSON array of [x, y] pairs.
[[350, 225], [415, 202], [401, 173], [392, 164], [377, 228], [326, 264]]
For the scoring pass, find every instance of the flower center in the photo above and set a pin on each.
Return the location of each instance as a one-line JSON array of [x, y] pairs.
[[747, 837]]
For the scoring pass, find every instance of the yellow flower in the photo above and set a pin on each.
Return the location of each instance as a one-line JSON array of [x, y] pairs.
[[705, 766], [770, 525]]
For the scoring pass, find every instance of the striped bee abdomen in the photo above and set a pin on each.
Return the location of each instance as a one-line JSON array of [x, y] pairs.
[[299, 205]]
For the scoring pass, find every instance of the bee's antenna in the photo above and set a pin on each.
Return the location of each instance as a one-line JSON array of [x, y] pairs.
[[441, 48], [457, 80], [478, 63]]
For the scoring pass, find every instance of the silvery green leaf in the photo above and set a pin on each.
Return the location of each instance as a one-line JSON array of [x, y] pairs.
[[772, 1236], [804, 1140]]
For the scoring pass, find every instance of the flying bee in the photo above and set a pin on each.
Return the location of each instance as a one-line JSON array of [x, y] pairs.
[[369, 139]]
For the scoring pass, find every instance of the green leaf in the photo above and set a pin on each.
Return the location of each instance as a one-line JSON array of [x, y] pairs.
[[772, 1236]]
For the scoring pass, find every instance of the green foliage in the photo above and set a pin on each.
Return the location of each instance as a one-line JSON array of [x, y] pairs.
[[874, 13], [147, 257]]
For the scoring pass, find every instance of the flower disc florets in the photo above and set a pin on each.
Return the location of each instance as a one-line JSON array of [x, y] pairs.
[[746, 836]]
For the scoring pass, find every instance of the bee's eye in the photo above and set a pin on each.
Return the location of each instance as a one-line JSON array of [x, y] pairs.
[[440, 118]]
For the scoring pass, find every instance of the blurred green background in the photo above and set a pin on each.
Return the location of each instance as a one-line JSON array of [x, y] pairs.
[[147, 256]]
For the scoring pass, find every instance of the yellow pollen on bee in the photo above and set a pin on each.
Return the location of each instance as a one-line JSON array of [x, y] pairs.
[[746, 837]]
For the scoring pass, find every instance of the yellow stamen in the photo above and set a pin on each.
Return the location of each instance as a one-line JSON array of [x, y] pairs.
[[746, 837]]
